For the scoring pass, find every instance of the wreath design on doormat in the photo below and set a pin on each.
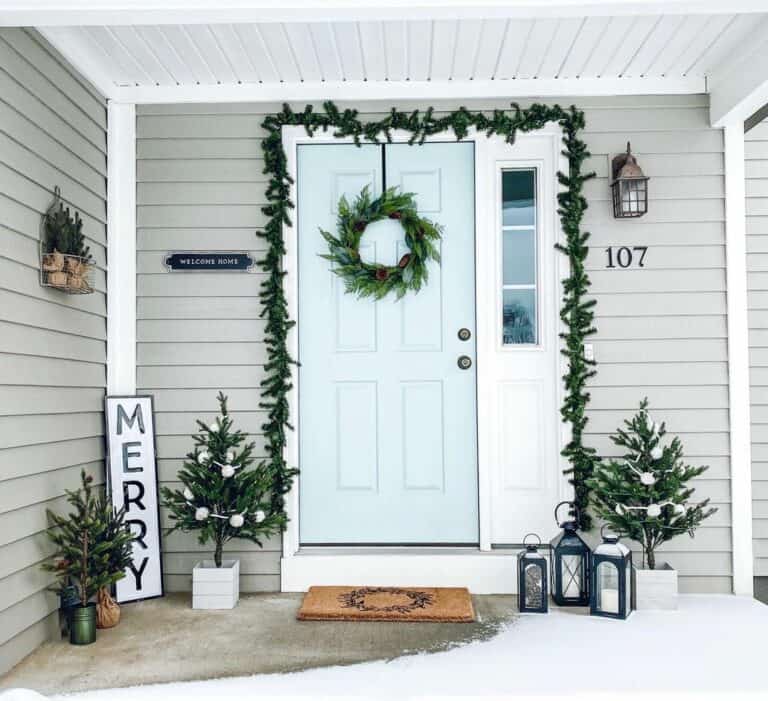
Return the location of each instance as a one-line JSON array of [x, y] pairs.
[[356, 599], [422, 237]]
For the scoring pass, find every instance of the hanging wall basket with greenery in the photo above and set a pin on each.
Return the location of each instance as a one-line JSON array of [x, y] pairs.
[[66, 262]]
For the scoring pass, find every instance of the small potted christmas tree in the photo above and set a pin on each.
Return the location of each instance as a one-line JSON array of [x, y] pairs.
[[645, 496], [224, 497], [94, 546]]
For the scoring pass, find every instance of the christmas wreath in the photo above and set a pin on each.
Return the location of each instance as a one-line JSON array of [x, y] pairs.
[[372, 279]]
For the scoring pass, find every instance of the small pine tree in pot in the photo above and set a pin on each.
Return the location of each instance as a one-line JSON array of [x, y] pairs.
[[225, 496], [645, 496], [94, 546]]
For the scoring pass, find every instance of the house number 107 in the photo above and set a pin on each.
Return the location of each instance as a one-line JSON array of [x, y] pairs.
[[625, 257]]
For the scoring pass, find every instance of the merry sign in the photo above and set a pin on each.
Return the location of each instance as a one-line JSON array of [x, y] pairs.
[[132, 473]]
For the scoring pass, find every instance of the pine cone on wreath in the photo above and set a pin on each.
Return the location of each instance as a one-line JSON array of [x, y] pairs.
[[403, 262]]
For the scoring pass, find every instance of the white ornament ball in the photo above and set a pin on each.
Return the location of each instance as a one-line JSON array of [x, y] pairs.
[[657, 453], [188, 494], [236, 520], [202, 513], [259, 516], [647, 478], [227, 471], [679, 509], [654, 510], [619, 509], [230, 455], [203, 457]]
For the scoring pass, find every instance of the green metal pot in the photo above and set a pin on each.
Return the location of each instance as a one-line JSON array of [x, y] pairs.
[[82, 624]]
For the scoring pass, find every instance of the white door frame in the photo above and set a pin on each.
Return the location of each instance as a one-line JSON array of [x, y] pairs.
[[299, 570]]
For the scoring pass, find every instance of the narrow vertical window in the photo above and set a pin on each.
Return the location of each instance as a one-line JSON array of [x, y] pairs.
[[519, 244]]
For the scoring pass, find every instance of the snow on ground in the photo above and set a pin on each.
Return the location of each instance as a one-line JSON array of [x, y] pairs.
[[711, 645]]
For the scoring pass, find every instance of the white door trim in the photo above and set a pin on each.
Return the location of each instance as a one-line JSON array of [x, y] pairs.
[[310, 566]]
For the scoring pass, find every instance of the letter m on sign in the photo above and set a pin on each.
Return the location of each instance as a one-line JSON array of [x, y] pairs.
[[122, 418]]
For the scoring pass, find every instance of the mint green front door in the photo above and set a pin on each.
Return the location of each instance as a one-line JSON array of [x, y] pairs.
[[387, 417]]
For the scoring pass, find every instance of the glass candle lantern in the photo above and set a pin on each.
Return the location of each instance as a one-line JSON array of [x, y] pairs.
[[571, 558], [611, 582], [532, 594]]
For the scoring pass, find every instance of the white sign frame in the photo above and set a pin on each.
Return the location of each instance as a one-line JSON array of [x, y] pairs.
[[132, 481]]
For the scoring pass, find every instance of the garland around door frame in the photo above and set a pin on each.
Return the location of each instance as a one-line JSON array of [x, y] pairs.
[[576, 310]]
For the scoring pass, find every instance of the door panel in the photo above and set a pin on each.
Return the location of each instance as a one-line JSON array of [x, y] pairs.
[[387, 420]]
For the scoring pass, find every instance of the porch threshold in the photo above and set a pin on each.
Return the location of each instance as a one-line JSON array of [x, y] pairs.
[[482, 572]]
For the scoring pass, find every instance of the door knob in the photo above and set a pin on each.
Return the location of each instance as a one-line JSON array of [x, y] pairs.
[[464, 334], [464, 362]]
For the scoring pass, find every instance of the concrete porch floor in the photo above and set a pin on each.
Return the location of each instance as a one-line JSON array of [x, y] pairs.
[[165, 640]]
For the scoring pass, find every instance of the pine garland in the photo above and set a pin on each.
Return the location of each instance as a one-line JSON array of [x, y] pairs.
[[576, 311]]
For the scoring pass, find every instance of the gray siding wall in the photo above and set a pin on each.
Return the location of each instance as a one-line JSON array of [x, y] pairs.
[[200, 187], [662, 329], [756, 165], [52, 345]]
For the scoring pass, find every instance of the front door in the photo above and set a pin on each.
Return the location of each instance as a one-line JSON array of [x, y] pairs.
[[387, 418]]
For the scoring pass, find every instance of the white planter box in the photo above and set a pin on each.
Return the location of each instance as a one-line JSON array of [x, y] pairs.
[[216, 587], [655, 590]]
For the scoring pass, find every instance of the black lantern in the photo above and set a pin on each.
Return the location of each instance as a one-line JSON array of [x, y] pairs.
[[611, 581], [629, 187], [532, 596], [570, 562]]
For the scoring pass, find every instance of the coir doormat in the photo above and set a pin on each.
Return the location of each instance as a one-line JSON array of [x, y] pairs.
[[417, 604]]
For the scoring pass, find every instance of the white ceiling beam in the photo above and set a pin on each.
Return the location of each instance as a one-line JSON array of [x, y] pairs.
[[41, 13], [409, 90], [739, 88]]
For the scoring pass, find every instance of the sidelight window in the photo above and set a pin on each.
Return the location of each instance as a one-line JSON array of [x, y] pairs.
[[519, 254]]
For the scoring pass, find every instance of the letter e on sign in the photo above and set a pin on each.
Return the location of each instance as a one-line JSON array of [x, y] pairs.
[[132, 480]]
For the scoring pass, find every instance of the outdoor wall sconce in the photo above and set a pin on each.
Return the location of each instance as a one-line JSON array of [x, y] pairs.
[[629, 187]]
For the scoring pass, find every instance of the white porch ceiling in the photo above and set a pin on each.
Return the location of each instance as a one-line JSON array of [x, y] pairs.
[[684, 50]]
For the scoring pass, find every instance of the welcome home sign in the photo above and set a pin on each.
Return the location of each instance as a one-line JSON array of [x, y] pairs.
[[132, 474]]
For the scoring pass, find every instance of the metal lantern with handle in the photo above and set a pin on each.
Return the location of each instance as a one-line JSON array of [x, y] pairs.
[[611, 580], [532, 594], [571, 558]]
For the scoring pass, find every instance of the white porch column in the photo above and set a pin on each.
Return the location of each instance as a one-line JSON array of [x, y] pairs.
[[738, 359], [121, 248]]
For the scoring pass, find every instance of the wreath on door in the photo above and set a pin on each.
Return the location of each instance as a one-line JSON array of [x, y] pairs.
[[422, 238]]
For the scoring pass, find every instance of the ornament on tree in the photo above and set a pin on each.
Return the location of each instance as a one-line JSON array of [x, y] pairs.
[[224, 497], [645, 494], [201, 513]]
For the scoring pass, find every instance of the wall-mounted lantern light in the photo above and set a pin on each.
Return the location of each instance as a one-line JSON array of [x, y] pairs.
[[629, 187]]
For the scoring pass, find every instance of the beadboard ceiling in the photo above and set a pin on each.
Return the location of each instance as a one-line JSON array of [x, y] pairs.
[[466, 49]]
